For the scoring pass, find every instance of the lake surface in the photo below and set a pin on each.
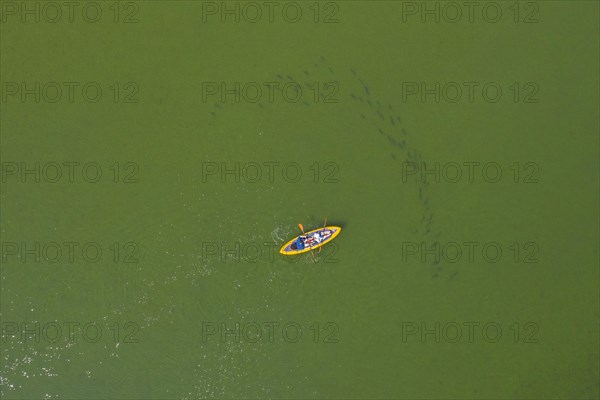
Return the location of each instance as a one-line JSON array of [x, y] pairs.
[[156, 155]]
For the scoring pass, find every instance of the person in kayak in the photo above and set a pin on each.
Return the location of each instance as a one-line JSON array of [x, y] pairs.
[[318, 237], [298, 244]]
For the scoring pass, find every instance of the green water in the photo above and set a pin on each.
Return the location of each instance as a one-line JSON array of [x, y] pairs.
[[187, 254]]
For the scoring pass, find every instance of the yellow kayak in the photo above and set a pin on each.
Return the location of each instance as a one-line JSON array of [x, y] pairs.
[[310, 240]]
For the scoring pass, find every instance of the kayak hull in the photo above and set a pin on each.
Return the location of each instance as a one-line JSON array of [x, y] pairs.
[[329, 233]]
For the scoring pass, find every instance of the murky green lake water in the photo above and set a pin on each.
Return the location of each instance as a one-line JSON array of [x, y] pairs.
[[156, 155]]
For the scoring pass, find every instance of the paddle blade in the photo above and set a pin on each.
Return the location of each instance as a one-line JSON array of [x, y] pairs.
[[301, 227], [313, 256]]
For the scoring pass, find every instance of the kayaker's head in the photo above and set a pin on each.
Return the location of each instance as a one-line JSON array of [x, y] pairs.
[[293, 246]]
